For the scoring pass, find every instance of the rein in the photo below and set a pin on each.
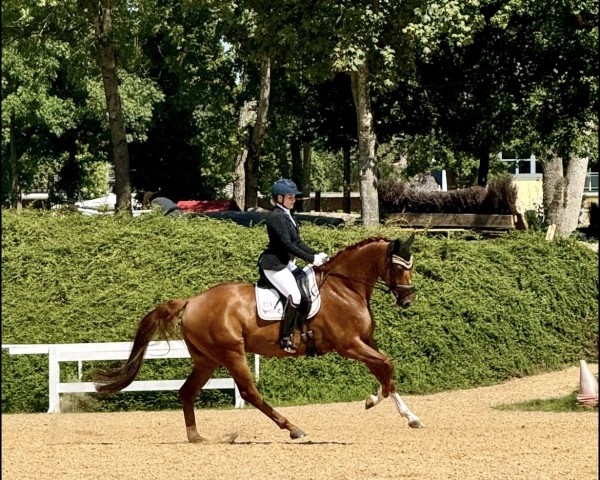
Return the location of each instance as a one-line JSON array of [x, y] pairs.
[[378, 283]]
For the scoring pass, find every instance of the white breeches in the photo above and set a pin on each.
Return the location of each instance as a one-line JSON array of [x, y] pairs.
[[285, 282]]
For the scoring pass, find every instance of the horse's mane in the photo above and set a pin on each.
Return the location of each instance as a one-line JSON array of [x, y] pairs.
[[360, 244]]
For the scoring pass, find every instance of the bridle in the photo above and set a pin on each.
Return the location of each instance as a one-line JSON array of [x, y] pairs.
[[396, 290]]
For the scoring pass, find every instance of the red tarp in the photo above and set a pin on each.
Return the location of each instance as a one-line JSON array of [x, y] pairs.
[[205, 206]]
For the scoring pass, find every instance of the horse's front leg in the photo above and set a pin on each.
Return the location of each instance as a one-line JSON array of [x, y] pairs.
[[381, 367], [239, 370]]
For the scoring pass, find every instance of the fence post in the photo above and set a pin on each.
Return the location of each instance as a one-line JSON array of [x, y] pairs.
[[53, 381], [256, 367]]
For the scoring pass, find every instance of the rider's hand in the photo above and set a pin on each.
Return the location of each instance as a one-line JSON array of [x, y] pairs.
[[320, 259]]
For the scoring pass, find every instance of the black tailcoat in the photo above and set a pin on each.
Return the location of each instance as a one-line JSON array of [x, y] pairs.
[[284, 242]]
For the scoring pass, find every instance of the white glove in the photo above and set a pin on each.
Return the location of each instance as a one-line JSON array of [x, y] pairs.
[[320, 259]]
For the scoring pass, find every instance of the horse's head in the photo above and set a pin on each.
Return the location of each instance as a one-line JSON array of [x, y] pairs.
[[399, 272]]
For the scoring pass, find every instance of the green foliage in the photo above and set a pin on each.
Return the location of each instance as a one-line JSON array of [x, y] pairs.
[[535, 220], [486, 311], [557, 53], [436, 22], [139, 97], [562, 404], [453, 81]]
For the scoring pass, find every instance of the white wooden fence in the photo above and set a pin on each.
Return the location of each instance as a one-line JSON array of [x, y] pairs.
[[80, 352]]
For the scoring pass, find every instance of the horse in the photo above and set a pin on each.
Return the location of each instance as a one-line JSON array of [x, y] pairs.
[[220, 325]]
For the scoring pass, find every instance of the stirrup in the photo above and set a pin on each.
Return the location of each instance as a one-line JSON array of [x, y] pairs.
[[307, 336], [287, 344]]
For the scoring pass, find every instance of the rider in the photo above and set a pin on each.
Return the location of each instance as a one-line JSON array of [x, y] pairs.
[[278, 260]]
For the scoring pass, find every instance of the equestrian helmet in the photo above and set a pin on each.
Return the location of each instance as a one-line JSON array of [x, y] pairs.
[[283, 186]]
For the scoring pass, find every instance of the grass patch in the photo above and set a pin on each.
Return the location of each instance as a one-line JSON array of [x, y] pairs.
[[558, 405]]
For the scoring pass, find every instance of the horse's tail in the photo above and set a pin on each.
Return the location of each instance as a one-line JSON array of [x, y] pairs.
[[161, 321]]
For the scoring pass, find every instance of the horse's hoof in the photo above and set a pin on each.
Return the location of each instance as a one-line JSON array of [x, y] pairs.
[[298, 433], [416, 424], [228, 438], [370, 402]]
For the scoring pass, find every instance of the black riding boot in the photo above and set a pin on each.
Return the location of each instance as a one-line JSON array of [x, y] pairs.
[[288, 324]]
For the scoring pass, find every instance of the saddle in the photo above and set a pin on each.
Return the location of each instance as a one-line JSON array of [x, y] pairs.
[[270, 303]]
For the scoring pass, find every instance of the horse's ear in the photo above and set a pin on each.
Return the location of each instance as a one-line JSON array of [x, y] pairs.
[[393, 247], [410, 240], [403, 249]]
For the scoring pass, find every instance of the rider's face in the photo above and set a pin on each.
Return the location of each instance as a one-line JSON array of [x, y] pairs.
[[288, 201]]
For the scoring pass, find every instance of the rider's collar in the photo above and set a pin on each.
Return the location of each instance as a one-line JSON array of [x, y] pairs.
[[287, 212]]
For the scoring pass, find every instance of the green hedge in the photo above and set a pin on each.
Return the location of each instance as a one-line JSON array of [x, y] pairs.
[[486, 310]]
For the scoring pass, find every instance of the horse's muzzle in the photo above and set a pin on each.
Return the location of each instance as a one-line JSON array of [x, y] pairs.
[[406, 302], [405, 295]]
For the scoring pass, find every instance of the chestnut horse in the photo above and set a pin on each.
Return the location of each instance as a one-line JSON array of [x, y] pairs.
[[221, 325]]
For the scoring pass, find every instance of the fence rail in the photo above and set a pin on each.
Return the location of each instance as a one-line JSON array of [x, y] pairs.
[[86, 352]]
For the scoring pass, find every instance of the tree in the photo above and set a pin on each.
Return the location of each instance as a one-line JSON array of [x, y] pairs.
[[369, 40], [366, 145], [251, 169], [189, 149], [33, 111], [246, 27], [362, 39], [474, 90], [338, 126], [52, 56], [100, 14], [560, 122], [239, 178]]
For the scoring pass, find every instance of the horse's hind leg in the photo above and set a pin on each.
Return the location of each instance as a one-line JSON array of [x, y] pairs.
[[381, 367], [203, 370], [237, 366]]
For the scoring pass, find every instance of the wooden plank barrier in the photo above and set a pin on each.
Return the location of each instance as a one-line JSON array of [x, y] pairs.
[[80, 352], [452, 221]]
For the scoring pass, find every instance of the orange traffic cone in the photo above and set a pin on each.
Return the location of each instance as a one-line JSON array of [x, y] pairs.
[[588, 386]]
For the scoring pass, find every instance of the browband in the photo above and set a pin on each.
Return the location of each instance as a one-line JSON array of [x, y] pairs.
[[403, 263]]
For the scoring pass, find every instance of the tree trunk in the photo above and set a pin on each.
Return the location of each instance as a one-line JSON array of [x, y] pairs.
[[102, 20], [258, 134], [304, 184], [484, 168], [575, 184], [347, 178], [451, 180], [239, 179], [296, 153], [15, 191], [366, 146], [553, 188], [563, 194]]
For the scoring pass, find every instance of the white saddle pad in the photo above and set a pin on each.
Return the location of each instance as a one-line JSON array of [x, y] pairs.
[[270, 306]]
